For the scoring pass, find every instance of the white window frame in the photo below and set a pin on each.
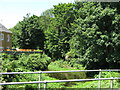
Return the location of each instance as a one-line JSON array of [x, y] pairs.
[[1, 48], [8, 47], [8, 37], [2, 36]]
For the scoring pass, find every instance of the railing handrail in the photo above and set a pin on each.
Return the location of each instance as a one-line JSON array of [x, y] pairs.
[[38, 72], [55, 81]]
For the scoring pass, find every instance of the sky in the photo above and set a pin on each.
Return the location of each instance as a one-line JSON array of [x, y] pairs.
[[13, 11]]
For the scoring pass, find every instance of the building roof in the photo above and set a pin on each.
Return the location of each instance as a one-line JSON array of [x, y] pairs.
[[4, 29]]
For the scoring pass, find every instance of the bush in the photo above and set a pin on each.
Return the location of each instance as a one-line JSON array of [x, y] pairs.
[[104, 83], [35, 61], [23, 63], [31, 62], [63, 66]]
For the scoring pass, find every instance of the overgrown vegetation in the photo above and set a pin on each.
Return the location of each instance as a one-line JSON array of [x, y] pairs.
[[19, 63], [104, 83], [23, 63], [87, 32], [74, 36], [62, 66]]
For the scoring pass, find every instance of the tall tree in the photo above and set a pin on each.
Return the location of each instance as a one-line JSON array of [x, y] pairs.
[[96, 38], [48, 13], [59, 32], [32, 35], [28, 34], [16, 32]]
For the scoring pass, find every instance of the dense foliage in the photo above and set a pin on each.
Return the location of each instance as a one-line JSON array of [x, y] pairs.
[[104, 83], [86, 32], [23, 63], [74, 36], [28, 34], [61, 65], [96, 38], [20, 63]]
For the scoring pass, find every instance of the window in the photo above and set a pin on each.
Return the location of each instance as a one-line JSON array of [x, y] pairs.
[[8, 38], [1, 36], [8, 47], [1, 48]]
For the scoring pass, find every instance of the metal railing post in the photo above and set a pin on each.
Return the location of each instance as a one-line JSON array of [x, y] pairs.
[[40, 79], [111, 83], [99, 82], [45, 85]]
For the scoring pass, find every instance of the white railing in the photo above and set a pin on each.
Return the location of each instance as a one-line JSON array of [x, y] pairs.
[[98, 70], [55, 81]]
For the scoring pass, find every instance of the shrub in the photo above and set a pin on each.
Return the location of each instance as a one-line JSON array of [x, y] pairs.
[[35, 61], [63, 66]]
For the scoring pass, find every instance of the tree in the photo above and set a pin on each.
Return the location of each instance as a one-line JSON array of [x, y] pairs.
[[31, 34], [59, 33], [96, 37], [48, 13], [16, 32]]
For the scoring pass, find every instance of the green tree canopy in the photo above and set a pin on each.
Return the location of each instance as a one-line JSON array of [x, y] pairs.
[[96, 37]]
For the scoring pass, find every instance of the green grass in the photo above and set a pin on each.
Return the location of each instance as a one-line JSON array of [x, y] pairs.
[[61, 66], [94, 84], [35, 77], [104, 83]]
